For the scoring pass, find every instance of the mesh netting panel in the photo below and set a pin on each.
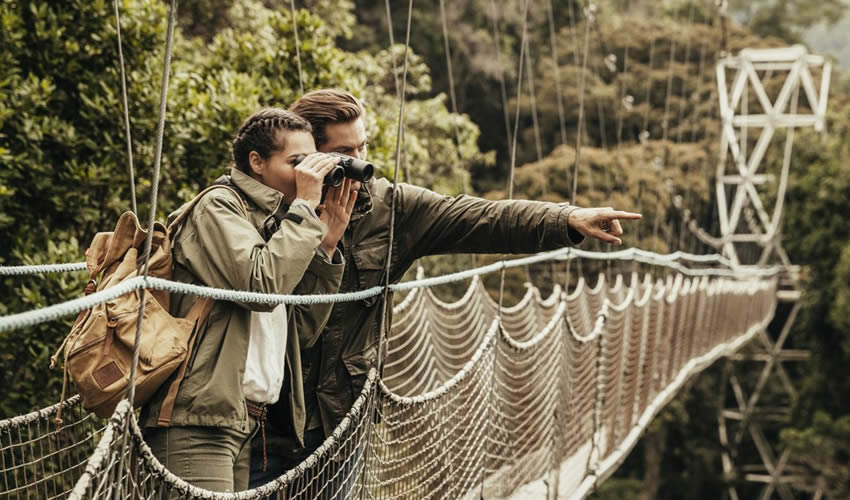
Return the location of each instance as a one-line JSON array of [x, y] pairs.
[[41, 457]]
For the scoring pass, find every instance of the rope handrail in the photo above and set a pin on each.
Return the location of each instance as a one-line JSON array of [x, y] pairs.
[[21, 270], [74, 306], [33, 416], [24, 270]]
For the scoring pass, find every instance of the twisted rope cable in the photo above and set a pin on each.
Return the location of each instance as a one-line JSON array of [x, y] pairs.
[[128, 135], [497, 37], [160, 133], [297, 46], [674, 256], [42, 268], [74, 306], [42, 414]]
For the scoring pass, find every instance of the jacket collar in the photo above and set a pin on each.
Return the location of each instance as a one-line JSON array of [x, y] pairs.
[[363, 205], [264, 197]]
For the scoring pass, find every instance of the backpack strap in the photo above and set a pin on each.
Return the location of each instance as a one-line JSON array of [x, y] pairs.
[[198, 315], [185, 213]]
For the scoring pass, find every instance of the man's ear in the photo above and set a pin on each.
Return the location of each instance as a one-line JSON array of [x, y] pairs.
[[258, 165]]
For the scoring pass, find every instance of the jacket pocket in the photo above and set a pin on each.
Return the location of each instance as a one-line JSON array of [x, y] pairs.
[[359, 363], [370, 262]]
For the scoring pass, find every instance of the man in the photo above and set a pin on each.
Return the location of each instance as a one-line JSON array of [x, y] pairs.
[[426, 223]]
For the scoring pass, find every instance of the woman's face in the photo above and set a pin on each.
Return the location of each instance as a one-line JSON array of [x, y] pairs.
[[277, 171]]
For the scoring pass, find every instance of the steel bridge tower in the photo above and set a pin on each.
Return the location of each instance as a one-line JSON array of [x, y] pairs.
[[765, 95]]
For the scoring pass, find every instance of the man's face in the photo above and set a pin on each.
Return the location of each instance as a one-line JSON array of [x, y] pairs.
[[348, 138]]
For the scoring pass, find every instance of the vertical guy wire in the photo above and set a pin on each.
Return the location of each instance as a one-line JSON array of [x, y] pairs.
[[386, 310], [497, 36], [129, 139], [532, 95], [510, 184], [160, 132], [398, 149], [580, 127], [516, 131], [404, 168], [297, 47], [452, 96], [560, 102]]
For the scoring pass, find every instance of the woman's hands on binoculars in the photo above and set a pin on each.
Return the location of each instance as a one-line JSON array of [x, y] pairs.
[[310, 174]]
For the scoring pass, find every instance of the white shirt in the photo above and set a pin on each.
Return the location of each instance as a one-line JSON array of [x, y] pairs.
[[266, 361]]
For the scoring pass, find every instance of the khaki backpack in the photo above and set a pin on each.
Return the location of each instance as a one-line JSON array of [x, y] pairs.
[[98, 351]]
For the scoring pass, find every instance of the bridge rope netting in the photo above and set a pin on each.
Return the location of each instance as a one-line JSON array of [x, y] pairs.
[[474, 399], [468, 397]]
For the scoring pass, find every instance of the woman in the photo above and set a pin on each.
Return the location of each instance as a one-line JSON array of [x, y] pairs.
[[270, 241]]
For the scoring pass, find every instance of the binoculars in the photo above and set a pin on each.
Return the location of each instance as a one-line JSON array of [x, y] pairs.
[[358, 170]]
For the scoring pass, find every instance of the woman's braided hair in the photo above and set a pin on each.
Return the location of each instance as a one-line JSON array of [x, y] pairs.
[[260, 133]]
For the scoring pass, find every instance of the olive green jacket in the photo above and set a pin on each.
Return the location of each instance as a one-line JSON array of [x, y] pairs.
[[223, 246], [426, 223]]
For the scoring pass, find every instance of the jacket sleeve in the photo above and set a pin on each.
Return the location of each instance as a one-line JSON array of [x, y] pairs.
[[322, 276], [223, 249], [431, 224]]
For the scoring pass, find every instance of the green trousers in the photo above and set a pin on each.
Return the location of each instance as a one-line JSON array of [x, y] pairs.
[[213, 458]]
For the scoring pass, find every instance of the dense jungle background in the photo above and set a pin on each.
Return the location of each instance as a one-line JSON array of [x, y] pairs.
[[646, 140]]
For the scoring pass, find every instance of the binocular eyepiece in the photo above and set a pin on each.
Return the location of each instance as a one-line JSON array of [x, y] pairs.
[[358, 170]]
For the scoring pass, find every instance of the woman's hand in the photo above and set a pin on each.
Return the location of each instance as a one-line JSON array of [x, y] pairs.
[[336, 212], [310, 176], [600, 223]]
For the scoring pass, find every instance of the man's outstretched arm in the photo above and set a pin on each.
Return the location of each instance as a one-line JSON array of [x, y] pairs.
[[429, 223]]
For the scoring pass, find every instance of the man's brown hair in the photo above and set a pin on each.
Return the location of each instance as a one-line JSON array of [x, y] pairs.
[[321, 107]]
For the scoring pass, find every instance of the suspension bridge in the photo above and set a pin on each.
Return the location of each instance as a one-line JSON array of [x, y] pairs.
[[544, 398]]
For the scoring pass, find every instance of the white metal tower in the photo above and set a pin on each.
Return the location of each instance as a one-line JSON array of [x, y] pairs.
[[751, 176]]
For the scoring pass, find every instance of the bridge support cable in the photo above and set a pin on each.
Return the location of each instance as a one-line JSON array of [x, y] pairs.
[[126, 110], [297, 46]]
